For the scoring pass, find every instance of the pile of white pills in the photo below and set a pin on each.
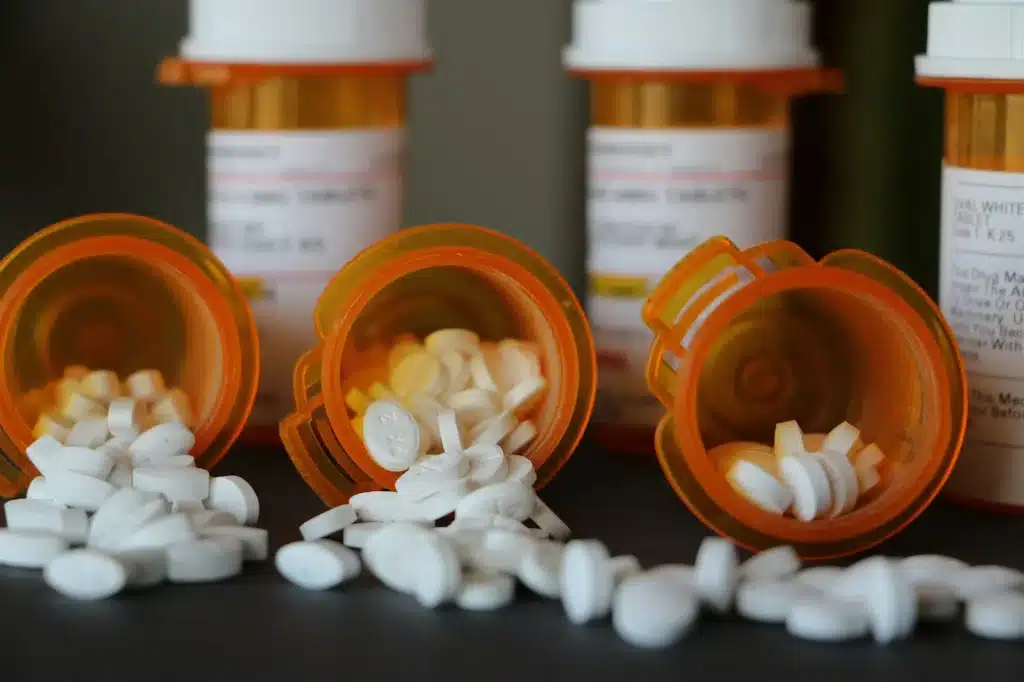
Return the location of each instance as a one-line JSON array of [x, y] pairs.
[[449, 385], [76, 408], [118, 505], [809, 476], [475, 565]]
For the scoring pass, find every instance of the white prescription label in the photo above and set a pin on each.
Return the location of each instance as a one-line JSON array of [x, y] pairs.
[[981, 293], [653, 195], [286, 211]]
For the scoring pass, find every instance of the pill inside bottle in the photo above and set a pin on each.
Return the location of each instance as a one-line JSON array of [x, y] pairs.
[[439, 318], [816, 404], [90, 303]]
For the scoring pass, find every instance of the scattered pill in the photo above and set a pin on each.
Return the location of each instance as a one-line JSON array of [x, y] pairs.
[[160, 533], [255, 541], [769, 601], [85, 574], [317, 564], [653, 611], [771, 564], [716, 573], [204, 560], [998, 615], [759, 487], [71, 525], [175, 483], [821, 619], [162, 440], [29, 549], [89, 433], [83, 460], [587, 584], [328, 523], [234, 495], [806, 479], [540, 569], [124, 418], [480, 591]]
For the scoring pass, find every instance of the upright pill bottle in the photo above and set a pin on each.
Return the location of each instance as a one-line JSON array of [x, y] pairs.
[[689, 138], [415, 282], [305, 151], [747, 338], [975, 53], [124, 293]]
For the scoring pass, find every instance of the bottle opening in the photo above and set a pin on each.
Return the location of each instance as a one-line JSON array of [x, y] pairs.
[[488, 284], [492, 304], [122, 303], [821, 353]]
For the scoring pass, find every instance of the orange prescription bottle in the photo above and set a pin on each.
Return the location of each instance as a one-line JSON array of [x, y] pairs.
[[689, 138], [124, 293], [745, 339], [415, 282], [305, 153], [974, 54]]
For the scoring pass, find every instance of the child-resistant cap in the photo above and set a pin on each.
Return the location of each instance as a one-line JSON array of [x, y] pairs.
[[370, 32], [690, 35], [745, 340], [974, 40]]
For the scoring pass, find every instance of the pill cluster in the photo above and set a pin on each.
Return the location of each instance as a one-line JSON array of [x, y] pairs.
[[810, 476], [77, 407], [476, 567], [451, 383], [128, 508]]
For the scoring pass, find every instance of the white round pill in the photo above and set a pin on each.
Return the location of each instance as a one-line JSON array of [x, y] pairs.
[[317, 564], [255, 541], [163, 440], [807, 480], [159, 533], [716, 573], [977, 581], [996, 616], [125, 512], [540, 569], [124, 418], [78, 490], [384, 505], [176, 483], [509, 499], [83, 460], [653, 611], [771, 564], [146, 567], [822, 619], [821, 578], [481, 591], [328, 523], [842, 481], [29, 549], [204, 560], [391, 435], [85, 574], [234, 495], [587, 584], [769, 601], [521, 469], [358, 534], [759, 487], [88, 433]]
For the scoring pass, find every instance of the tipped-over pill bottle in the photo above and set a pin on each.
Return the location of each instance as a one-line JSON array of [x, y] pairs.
[[406, 286], [748, 339], [123, 293], [689, 138], [305, 151], [975, 55]]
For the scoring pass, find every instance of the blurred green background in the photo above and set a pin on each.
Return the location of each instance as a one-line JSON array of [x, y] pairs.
[[497, 129]]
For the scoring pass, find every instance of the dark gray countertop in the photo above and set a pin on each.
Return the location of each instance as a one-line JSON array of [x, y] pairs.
[[257, 627]]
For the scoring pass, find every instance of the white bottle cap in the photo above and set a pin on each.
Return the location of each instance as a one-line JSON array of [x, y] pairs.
[[306, 32], [974, 39], [690, 35]]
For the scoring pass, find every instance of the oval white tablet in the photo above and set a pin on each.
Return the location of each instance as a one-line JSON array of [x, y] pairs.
[[653, 611], [255, 541], [716, 573], [842, 481], [822, 619], [759, 487], [771, 564], [29, 549], [807, 480], [509, 499], [328, 523], [586, 584], [175, 483], [481, 591], [85, 574], [317, 564], [204, 560]]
